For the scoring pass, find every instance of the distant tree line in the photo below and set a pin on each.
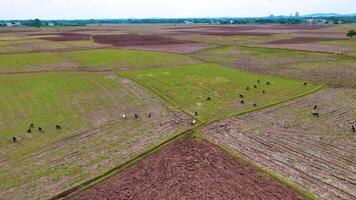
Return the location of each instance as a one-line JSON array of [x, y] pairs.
[[259, 20]]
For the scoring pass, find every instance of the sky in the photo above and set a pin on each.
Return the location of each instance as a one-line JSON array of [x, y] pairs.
[[104, 9]]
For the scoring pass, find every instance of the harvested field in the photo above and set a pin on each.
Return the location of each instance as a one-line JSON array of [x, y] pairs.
[[189, 87], [338, 72], [94, 137], [223, 33], [90, 60], [317, 154], [261, 60], [68, 37], [305, 40], [189, 169], [308, 47], [177, 48], [136, 40]]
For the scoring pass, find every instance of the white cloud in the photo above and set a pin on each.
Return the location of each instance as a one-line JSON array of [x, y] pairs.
[[80, 9]]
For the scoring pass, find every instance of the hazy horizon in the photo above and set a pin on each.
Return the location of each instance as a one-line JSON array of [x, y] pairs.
[[111, 9]]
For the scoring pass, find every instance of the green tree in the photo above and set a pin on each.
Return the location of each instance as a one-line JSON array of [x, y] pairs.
[[351, 33]]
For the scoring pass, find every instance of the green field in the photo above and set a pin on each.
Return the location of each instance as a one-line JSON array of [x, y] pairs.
[[188, 87], [89, 108], [75, 101], [91, 59], [261, 59]]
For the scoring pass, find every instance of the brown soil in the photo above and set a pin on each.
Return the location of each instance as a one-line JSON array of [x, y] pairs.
[[125, 40], [304, 40], [317, 154], [188, 169]]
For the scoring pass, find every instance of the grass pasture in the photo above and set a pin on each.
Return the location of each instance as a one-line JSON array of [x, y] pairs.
[[188, 87], [102, 59], [94, 138]]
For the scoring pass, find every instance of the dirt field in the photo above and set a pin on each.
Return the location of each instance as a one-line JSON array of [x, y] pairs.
[[318, 154], [304, 40], [175, 48], [136, 40], [189, 169]]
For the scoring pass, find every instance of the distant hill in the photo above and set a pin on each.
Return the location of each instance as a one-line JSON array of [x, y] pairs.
[[328, 15]]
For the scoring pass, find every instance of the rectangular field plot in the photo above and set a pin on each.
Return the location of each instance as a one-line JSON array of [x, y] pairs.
[[311, 66], [103, 59], [261, 60], [94, 137], [213, 91], [315, 153]]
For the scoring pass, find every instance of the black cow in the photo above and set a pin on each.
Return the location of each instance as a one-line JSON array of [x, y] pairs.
[[353, 129], [149, 115], [268, 83], [315, 107], [254, 105], [136, 116], [14, 139], [315, 114], [264, 92], [242, 96], [242, 102], [196, 114], [208, 99], [40, 129], [255, 86], [305, 83], [32, 125], [247, 88], [29, 131], [58, 127], [258, 81]]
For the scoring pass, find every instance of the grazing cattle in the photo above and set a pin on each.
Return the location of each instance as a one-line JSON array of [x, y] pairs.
[[196, 114], [149, 115], [58, 127], [194, 122], [136, 116], [305, 83], [353, 129], [242, 102], [254, 105], [32, 125], [242, 96], [208, 99], [14, 139], [29, 131], [255, 86], [247, 88], [315, 114], [264, 92], [268, 83], [315, 107], [258, 81], [40, 129]]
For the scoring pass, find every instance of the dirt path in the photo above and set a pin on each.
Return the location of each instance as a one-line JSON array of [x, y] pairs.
[[317, 154], [188, 169]]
